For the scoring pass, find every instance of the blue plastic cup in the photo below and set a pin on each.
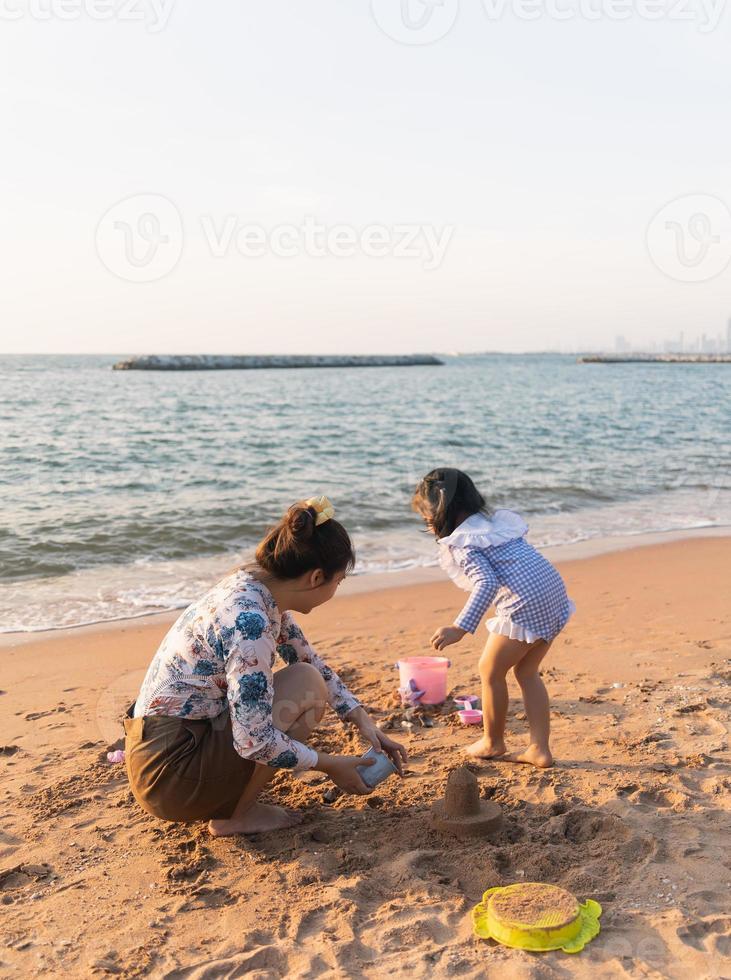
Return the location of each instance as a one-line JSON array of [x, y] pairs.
[[380, 770]]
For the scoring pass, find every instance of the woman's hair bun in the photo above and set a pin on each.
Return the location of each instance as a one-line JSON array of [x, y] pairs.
[[301, 521], [292, 547]]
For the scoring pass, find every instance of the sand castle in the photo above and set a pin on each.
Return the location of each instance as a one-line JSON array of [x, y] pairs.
[[462, 812]]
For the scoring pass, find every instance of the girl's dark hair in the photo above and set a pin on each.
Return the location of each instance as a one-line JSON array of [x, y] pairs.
[[445, 498], [297, 545]]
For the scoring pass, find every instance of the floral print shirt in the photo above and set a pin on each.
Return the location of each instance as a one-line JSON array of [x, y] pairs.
[[220, 655]]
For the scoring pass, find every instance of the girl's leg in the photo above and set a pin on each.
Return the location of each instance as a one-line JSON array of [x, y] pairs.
[[535, 699], [500, 654], [300, 697]]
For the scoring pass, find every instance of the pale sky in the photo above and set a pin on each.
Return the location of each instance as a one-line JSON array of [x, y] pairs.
[[524, 159]]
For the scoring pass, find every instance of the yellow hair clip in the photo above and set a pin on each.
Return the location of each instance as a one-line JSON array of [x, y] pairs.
[[324, 508]]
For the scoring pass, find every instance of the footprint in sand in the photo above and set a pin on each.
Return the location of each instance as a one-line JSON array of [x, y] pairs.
[[422, 930], [412, 865], [429, 924], [711, 934], [312, 923], [662, 798], [21, 875], [267, 961], [81, 824], [707, 900], [256, 938], [206, 898], [35, 715], [6, 838], [706, 726], [582, 825]]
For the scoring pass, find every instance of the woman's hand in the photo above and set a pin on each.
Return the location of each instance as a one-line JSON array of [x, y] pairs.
[[343, 770], [447, 635], [378, 739]]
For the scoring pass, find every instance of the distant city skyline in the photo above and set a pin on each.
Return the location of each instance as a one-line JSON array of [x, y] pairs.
[[685, 343]]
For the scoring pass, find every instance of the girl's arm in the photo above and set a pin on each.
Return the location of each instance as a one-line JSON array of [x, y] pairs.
[[292, 646], [485, 586], [250, 693]]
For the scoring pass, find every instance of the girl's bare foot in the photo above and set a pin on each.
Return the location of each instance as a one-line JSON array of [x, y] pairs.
[[484, 749], [534, 755], [258, 819]]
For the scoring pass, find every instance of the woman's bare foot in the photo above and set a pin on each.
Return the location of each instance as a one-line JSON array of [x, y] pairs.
[[258, 819], [484, 749], [534, 755]]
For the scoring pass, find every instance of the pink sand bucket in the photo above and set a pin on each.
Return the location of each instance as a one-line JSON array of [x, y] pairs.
[[427, 675]]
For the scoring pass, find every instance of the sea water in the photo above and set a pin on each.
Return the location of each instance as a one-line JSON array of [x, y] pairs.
[[125, 493]]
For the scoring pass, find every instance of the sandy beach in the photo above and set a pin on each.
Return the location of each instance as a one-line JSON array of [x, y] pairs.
[[636, 813]]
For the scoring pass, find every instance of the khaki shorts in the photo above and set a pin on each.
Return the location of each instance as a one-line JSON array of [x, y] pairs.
[[183, 769]]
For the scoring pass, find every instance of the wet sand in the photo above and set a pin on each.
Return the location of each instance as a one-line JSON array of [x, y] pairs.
[[636, 813]]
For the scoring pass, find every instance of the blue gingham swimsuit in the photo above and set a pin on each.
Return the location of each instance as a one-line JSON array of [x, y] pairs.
[[490, 557]]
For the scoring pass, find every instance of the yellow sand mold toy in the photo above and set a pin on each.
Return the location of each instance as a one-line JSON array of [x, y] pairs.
[[536, 917]]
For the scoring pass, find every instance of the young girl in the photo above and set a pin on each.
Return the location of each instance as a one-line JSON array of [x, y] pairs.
[[489, 556], [213, 723]]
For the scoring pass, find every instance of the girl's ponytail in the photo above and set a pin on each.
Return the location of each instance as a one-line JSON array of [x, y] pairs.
[[444, 497]]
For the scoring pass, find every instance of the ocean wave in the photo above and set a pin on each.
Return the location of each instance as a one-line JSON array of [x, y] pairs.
[[148, 585]]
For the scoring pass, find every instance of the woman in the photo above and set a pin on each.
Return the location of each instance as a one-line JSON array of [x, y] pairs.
[[213, 723]]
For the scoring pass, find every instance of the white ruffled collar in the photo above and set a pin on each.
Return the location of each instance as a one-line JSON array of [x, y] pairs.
[[479, 531]]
